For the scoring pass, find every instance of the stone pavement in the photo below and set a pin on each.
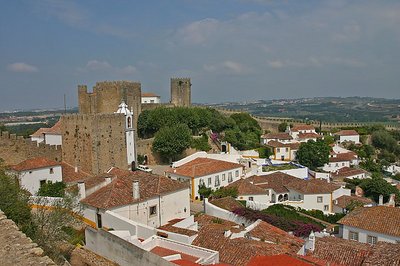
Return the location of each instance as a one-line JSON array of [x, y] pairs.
[[17, 248]]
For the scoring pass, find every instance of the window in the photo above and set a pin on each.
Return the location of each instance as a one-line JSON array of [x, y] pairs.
[[209, 181], [129, 122], [342, 164], [99, 222], [223, 177], [237, 173], [299, 197], [217, 181], [202, 182], [372, 240], [319, 199], [152, 101], [153, 210], [251, 199], [353, 236], [42, 182], [278, 150], [326, 207], [230, 177], [30, 172], [287, 149], [51, 171], [336, 164]]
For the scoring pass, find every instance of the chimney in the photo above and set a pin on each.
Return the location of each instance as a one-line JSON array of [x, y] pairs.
[[391, 202], [108, 179], [76, 169], [311, 241], [359, 192], [135, 189], [82, 190], [380, 200]]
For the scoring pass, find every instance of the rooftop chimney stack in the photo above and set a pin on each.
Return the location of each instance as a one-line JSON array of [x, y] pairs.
[[135, 190], [391, 202], [82, 190], [108, 179], [76, 169], [380, 200]]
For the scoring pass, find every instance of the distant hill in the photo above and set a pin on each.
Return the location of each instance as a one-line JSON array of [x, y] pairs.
[[328, 109]]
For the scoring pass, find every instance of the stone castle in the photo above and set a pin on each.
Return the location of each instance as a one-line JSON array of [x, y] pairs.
[[96, 138]]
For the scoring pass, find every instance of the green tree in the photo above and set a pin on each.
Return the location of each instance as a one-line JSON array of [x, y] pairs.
[[313, 154], [264, 152], [172, 141], [375, 186], [225, 192], [50, 189], [282, 127], [201, 144], [204, 191], [383, 140], [329, 139]]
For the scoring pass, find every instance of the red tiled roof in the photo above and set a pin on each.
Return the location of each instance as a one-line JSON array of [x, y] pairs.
[[35, 163], [338, 251], [312, 186], [171, 228], [275, 181], [227, 203], [384, 254], [348, 171], [149, 94], [203, 166], [244, 187], [277, 144], [344, 201], [239, 251], [183, 262], [343, 157], [379, 219], [297, 128], [39, 132], [56, 129], [284, 136], [70, 176], [278, 260], [347, 133], [309, 135], [120, 191], [162, 252]]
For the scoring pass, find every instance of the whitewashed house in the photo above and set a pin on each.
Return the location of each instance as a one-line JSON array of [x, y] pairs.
[[348, 136], [283, 151], [212, 173], [139, 196], [349, 173], [250, 192], [150, 98], [50, 136], [371, 224], [342, 203], [33, 173], [304, 133], [340, 160], [281, 137]]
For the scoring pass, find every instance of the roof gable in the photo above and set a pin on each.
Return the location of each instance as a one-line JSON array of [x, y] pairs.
[[204, 166]]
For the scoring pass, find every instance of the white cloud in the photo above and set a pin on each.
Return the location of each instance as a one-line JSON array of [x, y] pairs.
[[198, 32], [22, 67], [227, 67], [106, 67]]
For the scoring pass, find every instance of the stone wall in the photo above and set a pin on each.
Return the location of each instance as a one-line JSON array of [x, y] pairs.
[[107, 95], [17, 248], [181, 92], [151, 106], [94, 142], [15, 149]]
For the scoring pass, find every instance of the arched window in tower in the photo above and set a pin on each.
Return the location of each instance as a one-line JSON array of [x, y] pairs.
[[129, 122]]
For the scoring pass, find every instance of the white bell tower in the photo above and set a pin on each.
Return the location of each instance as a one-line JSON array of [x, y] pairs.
[[129, 132]]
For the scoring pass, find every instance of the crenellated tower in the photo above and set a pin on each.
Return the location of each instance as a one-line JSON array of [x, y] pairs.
[[181, 92]]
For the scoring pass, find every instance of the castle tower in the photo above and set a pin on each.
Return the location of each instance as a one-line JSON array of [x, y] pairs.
[[181, 92], [129, 133]]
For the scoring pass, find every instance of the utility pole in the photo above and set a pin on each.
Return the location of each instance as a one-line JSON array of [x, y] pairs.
[[65, 104]]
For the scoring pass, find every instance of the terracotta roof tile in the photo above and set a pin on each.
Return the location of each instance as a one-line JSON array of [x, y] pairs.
[[227, 203], [384, 254], [238, 251], [203, 166], [283, 136], [379, 219], [119, 191], [70, 176], [309, 136], [171, 228], [35, 163], [40, 132], [313, 186], [56, 129], [339, 251], [342, 157], [244, 187], [149, 94], [275, 181], [347, 133], [344, 201], [297, 128], [277, 144], [348, 171], [278, 260]]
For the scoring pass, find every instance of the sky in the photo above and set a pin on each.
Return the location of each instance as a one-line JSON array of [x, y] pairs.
[[233, 50]]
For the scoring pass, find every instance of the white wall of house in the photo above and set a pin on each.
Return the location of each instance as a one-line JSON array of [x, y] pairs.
[[282, 153], [301, 173], [322, 202], [334, 166], [151, 99], [213, 181], [363, 234], [174, 205], [359, 176], [320, 175], [341, 192], [53, 139], [258, 198], [354, 138], [38, 139], [31, 179]]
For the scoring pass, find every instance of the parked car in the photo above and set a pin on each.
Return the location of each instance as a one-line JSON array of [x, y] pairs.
[[144, 168]]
